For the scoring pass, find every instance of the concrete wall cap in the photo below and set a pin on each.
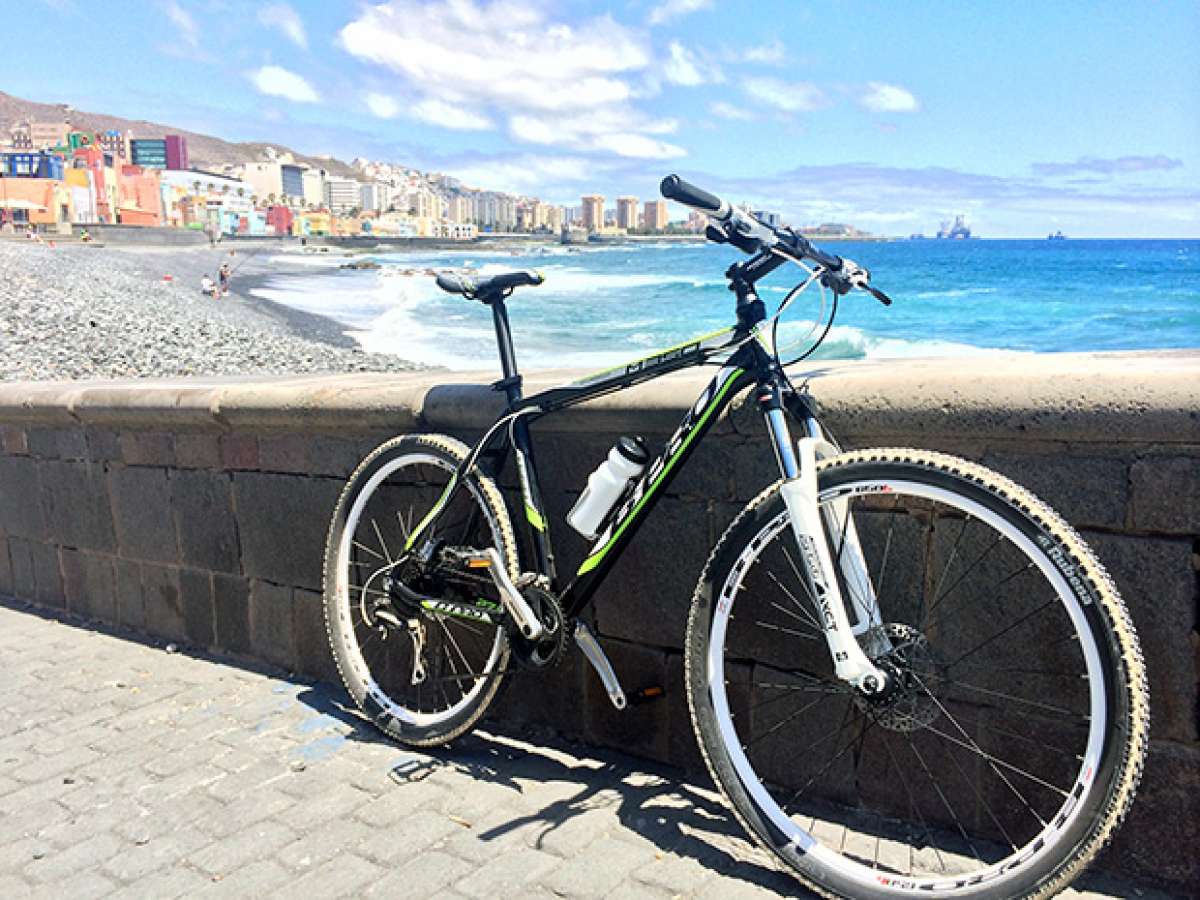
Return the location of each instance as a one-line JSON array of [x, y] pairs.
[[1068, 396]]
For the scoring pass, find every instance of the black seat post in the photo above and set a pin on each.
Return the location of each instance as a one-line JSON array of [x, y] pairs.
[[511, 383]]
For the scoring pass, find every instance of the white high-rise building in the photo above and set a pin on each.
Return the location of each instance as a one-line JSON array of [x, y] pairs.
[[376, 196], [627, 213], [342, 194], [313, 181]]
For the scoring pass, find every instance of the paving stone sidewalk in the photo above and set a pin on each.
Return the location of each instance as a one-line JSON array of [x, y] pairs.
[[130, 771]]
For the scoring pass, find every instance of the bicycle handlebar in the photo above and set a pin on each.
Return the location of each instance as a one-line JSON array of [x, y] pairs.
[[753, 233], [750, 234]]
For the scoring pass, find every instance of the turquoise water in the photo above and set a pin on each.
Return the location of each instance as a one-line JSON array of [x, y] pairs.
[[604, 304]]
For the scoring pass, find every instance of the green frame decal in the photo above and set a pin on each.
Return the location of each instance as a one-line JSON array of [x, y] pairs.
[[663, 466]]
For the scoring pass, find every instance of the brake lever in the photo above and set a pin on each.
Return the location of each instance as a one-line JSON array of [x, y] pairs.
[[879, 295]]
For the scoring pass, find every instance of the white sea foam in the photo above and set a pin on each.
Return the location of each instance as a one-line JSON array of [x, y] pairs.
[[953, 292]]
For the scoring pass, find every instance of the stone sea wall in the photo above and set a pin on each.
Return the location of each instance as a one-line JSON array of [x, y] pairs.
[[195, 510]]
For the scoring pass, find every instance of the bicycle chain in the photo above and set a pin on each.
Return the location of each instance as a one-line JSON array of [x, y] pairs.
[[545, 652]]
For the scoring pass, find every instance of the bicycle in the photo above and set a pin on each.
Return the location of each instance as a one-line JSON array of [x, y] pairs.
[[906, 673]]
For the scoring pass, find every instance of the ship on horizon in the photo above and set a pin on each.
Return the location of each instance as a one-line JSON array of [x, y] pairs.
[[959, 231]]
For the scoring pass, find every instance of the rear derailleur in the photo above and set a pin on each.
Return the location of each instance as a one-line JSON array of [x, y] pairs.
[[461, 582]]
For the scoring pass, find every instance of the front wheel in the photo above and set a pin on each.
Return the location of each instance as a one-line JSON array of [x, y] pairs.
[[1013, 741]]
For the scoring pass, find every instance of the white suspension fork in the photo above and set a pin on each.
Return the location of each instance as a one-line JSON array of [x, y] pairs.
[[810, 526]]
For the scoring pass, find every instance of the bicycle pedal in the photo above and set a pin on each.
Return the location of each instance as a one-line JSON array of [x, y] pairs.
[[646, 695]]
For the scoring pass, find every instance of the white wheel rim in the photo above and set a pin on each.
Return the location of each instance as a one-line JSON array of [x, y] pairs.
[[346, 608], [802, 839]]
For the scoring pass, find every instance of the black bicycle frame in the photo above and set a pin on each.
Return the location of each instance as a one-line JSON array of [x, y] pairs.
[[748, 363]]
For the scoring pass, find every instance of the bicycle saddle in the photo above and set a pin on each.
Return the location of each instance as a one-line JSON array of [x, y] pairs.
[[469, 287]]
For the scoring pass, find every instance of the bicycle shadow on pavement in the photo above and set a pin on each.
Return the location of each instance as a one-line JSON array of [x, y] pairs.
[[651, 801]]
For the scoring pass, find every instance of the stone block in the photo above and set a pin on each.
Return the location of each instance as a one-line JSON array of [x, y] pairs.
[[1166, 494], [77, 505], [314, 657], [103, 444], [550, 698], [231, 614], [1157, 581], [648, 592], [21, 510], [754, 465], [196, 593], [710, 472], [57, 443], [682, 747], [164, 601], [283, 453], [333, 456], [1163, 822], [13, 440], [272, 632], [239, 451], [24, 585], [202, 504], [147, 448], [89, 585], [1083, 490], [6, 572], [141, 500], [642, 730], [131, 604], [47, 575], [198, 450], [282, 524]]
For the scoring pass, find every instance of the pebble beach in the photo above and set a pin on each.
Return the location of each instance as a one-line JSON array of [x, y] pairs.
[[78, 312]]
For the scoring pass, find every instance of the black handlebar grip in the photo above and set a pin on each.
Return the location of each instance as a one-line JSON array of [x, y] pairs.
[[675, 188]]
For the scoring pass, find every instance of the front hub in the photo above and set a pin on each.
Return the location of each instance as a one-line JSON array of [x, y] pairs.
[[906, 703]]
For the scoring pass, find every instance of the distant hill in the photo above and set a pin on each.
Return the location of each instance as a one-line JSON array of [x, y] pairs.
[[205, 152]]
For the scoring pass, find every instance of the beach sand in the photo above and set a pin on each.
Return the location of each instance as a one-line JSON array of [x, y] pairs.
[[77, 311]]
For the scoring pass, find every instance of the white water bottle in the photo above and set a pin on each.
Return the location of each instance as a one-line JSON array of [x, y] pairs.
[[626, 461]]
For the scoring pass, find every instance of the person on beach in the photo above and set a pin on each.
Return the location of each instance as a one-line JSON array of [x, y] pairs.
[[223, 274], [208, 287]]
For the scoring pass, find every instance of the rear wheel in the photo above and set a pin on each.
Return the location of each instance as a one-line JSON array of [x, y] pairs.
[[1013, 743], [426, 677]]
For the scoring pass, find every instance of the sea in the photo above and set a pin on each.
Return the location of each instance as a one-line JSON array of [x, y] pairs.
[[602, 304]]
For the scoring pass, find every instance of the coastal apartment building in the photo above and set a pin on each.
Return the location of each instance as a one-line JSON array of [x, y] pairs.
[[291, 181], [593, 212], [376, 196], [342, 194], [627, 213], [168, 152], [654, 215], [313, 183], [458, 210]]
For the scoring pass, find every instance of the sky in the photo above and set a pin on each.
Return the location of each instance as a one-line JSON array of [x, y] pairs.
[[1027, 117]]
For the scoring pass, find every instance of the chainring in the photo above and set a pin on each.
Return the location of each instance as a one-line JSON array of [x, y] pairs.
[[546, 651]]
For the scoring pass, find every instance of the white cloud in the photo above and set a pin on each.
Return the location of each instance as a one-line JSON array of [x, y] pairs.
[[276, 81], [785, 96], [382, 105], [447, 115], [771, 54], [675, 9], [639, 146], [471, 65], [186, 26], [286, 20], [729, 111], [681, 68], [881, 97], [524, 173]]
